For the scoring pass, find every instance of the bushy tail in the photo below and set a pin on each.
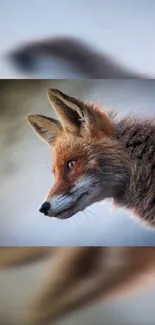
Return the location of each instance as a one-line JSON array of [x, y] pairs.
[[82, 57]]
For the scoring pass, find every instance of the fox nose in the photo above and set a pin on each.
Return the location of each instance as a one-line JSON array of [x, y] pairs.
[[45, 208]]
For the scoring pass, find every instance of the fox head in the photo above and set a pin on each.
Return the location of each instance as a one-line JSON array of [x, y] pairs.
[[88, 163]]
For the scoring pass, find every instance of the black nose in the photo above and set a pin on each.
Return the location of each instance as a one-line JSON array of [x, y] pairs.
[[45, 208]]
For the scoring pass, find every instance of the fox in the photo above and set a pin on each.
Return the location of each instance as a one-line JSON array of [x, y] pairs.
[[81, 56], [79, 277], [97, 155]]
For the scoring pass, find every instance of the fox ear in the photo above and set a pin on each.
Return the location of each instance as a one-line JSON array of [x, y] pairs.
[[78, 116], [46, 127], [70, 110]]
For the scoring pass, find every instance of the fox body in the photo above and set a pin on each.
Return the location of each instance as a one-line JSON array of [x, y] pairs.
[[80, 276], [96, 156]]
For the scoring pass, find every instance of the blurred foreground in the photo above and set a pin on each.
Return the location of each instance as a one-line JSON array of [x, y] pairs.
[[75, 285]]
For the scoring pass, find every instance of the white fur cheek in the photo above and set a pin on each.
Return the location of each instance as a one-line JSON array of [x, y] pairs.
[[83, 184], [64, 201]]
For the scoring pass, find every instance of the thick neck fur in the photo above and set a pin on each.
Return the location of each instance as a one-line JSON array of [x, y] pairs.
[[137, 136]]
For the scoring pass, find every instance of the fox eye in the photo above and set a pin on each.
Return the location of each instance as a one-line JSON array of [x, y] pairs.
[[71, 164]]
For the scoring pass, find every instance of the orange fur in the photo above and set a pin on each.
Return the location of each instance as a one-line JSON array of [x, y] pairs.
[[82, 128], [107, 155]]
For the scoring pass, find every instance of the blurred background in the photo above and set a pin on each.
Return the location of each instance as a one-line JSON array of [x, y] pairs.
[[19, 287], [123, 29], [26, 166]]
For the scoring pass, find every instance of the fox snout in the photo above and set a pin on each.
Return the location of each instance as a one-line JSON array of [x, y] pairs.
[[65, 205]]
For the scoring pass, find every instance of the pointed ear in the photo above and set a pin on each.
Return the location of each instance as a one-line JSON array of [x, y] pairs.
[[69, 109], [46, 127], [78, 116]]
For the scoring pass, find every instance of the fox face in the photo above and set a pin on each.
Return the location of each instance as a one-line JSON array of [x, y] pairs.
[[88, 163]]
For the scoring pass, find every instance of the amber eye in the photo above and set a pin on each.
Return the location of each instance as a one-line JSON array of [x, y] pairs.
[[71, 164]]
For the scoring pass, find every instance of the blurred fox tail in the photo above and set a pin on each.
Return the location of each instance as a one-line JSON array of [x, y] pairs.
[[77, 53]]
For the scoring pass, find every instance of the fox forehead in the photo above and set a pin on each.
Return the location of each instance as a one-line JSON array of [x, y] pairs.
[[85, 150], [70, 147]]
